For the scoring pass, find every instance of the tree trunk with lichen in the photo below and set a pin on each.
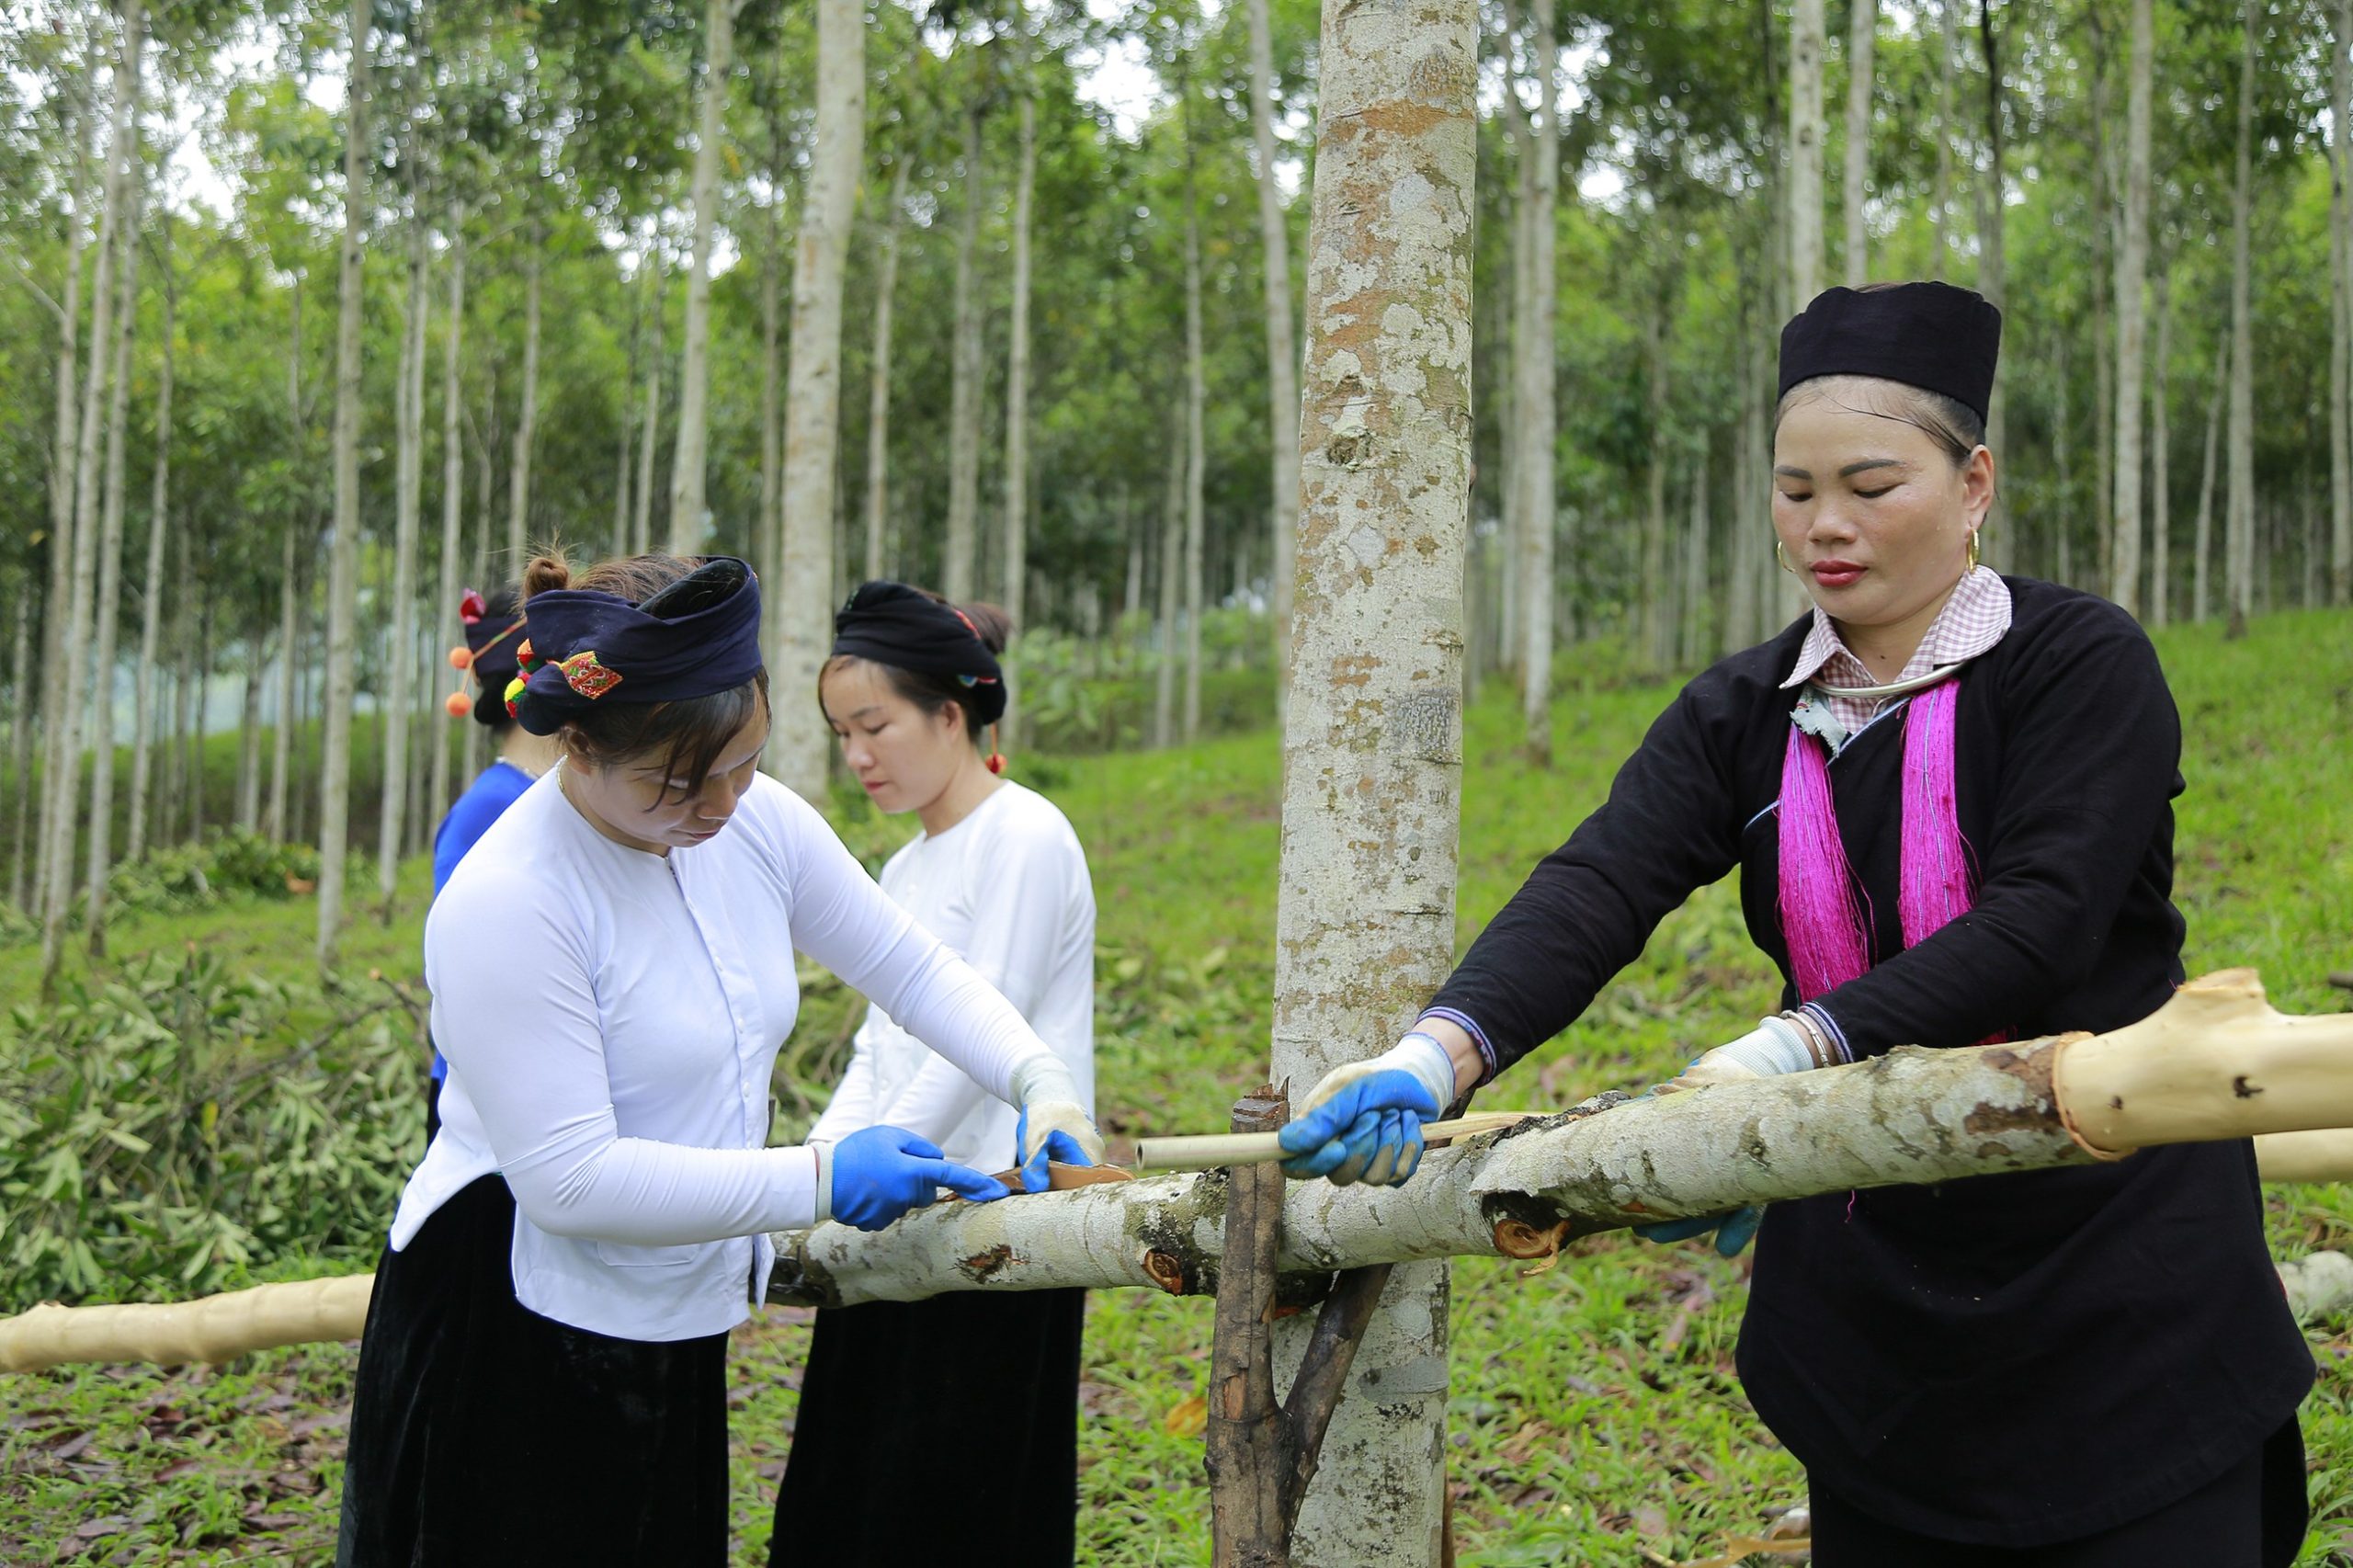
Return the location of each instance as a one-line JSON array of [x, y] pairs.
[[1373, 732]]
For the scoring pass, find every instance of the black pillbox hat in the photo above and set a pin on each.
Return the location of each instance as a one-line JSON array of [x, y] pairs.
[[1932, 336]]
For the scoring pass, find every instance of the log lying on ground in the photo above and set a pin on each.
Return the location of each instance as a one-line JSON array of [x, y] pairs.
[[216, 1328], [2216, 1061]]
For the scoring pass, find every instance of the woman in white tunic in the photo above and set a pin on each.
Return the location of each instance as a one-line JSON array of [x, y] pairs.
[[541, 1378], [912, 685]]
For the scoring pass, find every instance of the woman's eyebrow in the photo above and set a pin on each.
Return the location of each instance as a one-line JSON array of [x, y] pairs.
[[1855, 468]]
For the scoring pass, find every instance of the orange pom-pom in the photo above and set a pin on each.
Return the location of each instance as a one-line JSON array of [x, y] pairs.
[[458, 704], [462, 658]]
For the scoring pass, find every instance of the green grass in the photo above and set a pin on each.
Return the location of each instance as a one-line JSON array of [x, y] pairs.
[[1594, 1416]]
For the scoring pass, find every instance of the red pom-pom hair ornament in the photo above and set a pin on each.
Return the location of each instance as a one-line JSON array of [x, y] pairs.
[[472, 607], [462, 658]]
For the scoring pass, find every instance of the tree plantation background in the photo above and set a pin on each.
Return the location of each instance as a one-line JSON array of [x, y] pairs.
[[316, 313]]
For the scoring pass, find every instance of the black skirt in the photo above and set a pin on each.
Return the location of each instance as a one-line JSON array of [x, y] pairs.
[[898, 1389], [483, 1433], [2252, 1515]]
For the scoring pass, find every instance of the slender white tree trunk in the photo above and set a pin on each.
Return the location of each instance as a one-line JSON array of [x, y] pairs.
[[1696, 548], [878, 386], [2239, 580], [343, 559], [400, 696], [687, 520], [249, 737], [767, 535], [2161, 458], [802, 629], [527, 424], [1992, 267], [1196, 448], [650, 423], [1748, 553], [1282, 344], [1535, 398], [1807, 31], [107, 613], [1172, 560], [1017, 406], [1373, 743], [2201, 601], [60, 784], [2340, 380], [2132, 319], [1657, 591], [453, 490], [276, 822], [152, 590], [66, 444], [1861, 36], [964, 393], [20, 746], [1948, 127]]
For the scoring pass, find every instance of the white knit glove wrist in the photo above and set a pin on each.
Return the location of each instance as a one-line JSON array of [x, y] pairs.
[[1048, 1095], [824, 1155]]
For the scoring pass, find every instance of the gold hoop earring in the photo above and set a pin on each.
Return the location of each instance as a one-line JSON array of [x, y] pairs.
[[1782, 555], [1976, 550]]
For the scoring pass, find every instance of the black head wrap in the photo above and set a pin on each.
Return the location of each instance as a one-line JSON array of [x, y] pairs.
[[697, 637], [906, 629], [494, 630], [1931, 335]]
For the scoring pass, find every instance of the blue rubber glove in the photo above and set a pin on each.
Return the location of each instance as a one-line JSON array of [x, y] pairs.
[[1057, 1147], [877, 1173], [1363, 1122], [1053, 1125], [1734, 1231]]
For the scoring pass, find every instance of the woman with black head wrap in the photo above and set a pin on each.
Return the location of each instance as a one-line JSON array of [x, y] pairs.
[[912, 688], [1949, 797], [542, 1380]]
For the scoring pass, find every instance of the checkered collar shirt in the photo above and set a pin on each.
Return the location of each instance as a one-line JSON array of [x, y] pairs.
[[1973, 620]]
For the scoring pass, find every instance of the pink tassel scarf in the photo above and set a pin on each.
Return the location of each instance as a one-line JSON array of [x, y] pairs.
[[1823, 914]]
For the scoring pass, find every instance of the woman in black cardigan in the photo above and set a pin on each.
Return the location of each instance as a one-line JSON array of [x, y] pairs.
[[1948, 795]]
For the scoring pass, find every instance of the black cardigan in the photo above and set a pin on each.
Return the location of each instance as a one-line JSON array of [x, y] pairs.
[[2012, 1359]]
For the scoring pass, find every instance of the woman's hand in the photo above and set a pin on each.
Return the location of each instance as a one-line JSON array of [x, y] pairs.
[[877, 1173], [1054, 1127], [1774, 1047], [1363, 1122]]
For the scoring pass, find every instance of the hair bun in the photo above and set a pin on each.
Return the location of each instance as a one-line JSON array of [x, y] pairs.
[[546, 573]]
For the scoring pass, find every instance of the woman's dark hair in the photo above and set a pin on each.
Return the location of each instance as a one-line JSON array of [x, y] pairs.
[[685, 736], [934, 694]]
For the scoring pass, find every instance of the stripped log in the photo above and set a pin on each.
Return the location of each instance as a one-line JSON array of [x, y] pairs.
[[2324, 1154], [216, 1328], [1910, 1117]]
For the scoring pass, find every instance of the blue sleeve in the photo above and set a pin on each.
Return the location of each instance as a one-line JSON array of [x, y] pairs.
[[469, 817]]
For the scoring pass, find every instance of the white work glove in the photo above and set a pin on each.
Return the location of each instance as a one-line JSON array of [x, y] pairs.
[[1363, 1122], [1054, 1126], [1774, 1047]]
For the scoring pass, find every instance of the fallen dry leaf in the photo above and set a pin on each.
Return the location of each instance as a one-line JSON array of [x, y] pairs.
[[1189, 1418]]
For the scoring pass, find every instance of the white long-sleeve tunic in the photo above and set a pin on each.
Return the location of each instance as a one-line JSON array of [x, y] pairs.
[[1006, 888], [611, 1017]]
